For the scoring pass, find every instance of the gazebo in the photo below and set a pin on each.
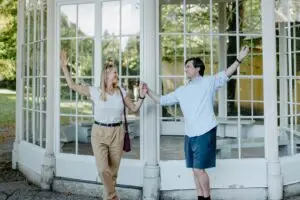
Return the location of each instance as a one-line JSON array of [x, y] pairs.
[[258, 140]]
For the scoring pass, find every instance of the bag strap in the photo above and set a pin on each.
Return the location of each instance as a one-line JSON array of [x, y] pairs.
[[124, 111]]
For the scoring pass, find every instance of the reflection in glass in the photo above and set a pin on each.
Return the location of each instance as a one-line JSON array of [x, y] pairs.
[[130, 17], [130, 56], [197, 14], [85, 58], [132, 89], [68, 21], [172, 53], [86, 20], [172, 112], [111, 18], [110, 49], [171, 17]]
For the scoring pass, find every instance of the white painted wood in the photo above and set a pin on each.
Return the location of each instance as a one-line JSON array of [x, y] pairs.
[[193, 1], [48, 166], [31, 156], [229, 173], [222, 106], [149, 56], [19, 84], [290, 166], [283, 93], [274, 178], [83, 167], [226, 128], [51, 65]]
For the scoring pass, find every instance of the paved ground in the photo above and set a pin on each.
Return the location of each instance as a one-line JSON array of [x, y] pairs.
[[14, 186]]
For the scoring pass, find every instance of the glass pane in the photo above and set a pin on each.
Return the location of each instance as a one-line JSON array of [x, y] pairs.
[[44, 20], [197, 46], [227, 142], [26, 30], [29, 90], [258, 91], [68, 21], [111, 18], [30, 126], [172, 55], [198, 18], [68, 129], [111, 49], [85, 58], [171, 112], [41, 94], [131, 85], [23, 112], [86, 20], [246, 87], [38, 24], [85, 106], [130, 56], [32, 59], [31, 26], [130, 17], [38, 59], [41, 129], [258, 109], [172, 147], [251, 16], [231, 15], [69, 46], [247, 108], [171, 17], [44, 58], [84, 136], [252, 64], [67, 99], [253, 147]]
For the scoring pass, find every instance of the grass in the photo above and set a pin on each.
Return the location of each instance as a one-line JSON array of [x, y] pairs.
[[7, 116], [7, 109]]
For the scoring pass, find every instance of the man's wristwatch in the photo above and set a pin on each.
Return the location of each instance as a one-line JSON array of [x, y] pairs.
[[238, 61]]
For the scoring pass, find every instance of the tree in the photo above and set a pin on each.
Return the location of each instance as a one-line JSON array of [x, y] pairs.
[[8, 37]]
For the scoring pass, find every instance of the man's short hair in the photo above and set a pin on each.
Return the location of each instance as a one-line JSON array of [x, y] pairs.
[[197, 62]]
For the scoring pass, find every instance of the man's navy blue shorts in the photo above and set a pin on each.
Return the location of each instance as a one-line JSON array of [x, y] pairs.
[[200, 151]]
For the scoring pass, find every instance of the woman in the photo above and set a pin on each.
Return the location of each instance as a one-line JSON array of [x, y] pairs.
[[107, 132]]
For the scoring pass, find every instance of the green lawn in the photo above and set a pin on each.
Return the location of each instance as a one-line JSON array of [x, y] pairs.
[[7, 109]]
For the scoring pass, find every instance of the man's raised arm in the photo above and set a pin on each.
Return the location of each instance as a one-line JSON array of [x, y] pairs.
[[243, 53]]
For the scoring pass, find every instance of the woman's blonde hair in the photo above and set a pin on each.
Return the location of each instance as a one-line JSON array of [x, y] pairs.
[[105, 70]]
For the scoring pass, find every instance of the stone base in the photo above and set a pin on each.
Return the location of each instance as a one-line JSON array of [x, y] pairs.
[[93, 189], [218, 194], [291, 190]]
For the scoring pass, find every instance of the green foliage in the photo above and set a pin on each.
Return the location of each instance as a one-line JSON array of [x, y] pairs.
[[8, 36]]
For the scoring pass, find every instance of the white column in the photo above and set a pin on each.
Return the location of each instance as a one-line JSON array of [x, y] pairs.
[[19, 79], [222, 65], [148, 74], [270, 100], [48, 167], [283, 72]]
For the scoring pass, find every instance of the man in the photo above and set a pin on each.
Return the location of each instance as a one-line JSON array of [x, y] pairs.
[[196, 102]]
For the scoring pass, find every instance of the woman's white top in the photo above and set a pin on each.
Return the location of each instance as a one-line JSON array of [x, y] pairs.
[[109, 111]]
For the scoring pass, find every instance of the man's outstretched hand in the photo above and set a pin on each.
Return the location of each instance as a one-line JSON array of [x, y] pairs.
[[243, 53]]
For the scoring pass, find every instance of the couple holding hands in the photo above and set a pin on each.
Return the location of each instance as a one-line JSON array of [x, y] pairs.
[[196, 102]]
